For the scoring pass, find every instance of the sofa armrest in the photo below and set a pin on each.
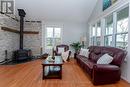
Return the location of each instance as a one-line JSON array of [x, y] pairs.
[[105, 67], [103, 74]]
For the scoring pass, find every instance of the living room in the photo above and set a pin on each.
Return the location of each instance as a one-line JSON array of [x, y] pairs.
[[32, 31]]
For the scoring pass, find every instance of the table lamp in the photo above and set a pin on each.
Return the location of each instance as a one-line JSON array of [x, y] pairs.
[[83, 40]]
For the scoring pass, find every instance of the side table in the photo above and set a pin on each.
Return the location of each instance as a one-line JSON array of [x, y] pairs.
[[75, 54]]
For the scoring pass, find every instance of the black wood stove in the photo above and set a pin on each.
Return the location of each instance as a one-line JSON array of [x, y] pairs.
[[22, 54]]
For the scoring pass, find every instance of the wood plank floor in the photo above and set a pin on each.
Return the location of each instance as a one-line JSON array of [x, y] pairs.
[[30, 75]]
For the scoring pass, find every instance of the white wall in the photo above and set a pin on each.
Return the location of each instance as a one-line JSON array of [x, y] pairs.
[[128, 61], [99, 14], [8, 41], [71, 31], [33, 41]]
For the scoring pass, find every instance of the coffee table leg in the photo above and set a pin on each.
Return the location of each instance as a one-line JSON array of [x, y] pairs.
[[60, 71], [43, 72]]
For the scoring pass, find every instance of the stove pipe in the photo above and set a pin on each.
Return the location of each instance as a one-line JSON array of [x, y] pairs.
[[22, 15]]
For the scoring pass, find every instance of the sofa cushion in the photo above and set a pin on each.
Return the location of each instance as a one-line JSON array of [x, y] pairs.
[[86, 64], [60, 50], [89, 67], [97, 50], [84, 52], [94, 57], [105, 59], [89, 64], [65, 55], [81, 57]]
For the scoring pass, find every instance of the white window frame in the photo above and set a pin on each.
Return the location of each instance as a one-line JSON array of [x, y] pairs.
[[91, 33], [103, 25], [115, 32], [105, 30], [54, 26], [100, 32]]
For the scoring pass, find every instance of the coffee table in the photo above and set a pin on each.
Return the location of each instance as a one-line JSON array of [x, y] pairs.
[[52, 69]]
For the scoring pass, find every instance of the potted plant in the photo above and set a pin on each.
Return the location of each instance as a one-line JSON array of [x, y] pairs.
[[76, 46]]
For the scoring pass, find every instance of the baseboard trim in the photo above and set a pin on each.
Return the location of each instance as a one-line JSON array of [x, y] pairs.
[[124, 78], [2, 62]]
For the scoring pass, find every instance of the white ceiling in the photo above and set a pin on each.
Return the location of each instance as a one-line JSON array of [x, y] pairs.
[[57, 10]]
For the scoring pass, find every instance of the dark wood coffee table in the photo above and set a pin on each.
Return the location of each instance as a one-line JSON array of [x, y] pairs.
[[52, 69]]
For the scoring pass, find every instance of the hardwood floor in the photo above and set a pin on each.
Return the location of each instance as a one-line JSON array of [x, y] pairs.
[[30, 75]]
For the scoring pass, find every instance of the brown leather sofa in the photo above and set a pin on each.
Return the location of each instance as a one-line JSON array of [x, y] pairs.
[[102, 73]]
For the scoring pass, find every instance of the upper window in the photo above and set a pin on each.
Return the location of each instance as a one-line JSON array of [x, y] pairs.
[[92, 34], [53, 37], [93, 30], [98, 34], [109, 25], [108, 30], [122, 20], [115, 29], [99, 28], [122, 28]]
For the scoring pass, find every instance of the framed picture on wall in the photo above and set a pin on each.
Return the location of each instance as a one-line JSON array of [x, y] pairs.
[[108, 3]]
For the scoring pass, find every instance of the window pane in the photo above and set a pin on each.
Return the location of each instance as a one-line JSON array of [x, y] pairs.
[[92, 40], [57, 32], [53, 37], [99, 29], [57, 41], [108, 40], [122, 20], [49, 31], [49, 43], [109, 25], [98, 41], [93, 30], [122, 41]]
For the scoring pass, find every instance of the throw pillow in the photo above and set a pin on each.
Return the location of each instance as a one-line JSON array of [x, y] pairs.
[[84, 52], [60, 50], [105, 59], [65, 55]]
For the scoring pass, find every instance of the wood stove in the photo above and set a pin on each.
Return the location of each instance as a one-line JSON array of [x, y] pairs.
[[22, 54]]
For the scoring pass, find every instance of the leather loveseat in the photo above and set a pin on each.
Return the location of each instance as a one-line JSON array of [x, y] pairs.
[[102, 73]]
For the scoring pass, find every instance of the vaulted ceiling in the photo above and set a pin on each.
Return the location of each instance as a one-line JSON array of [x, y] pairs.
[[57, 10]]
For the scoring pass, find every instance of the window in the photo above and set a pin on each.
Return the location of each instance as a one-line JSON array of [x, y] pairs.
[[114, 29], [53, 37], [108, 40], [93, 34], [93, 30], [108, 30], [122, 28], [98, 34], [122, 41], [109, 25]]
